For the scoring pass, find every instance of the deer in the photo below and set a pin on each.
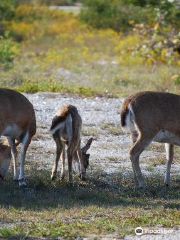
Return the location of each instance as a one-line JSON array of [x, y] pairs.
[[151, 116], [18, 124], [66, 131], [5, 158]]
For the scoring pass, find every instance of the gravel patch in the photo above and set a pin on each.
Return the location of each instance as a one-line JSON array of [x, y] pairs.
[[109, 151]]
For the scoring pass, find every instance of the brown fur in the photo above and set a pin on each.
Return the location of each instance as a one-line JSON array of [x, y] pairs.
[[62, 114], [153, 112], [5, 158], [161, 108], [73, 142], [16, 109]]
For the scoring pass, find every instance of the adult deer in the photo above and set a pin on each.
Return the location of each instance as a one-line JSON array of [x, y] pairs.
[[66, 131], [151, 116], [17, 122]]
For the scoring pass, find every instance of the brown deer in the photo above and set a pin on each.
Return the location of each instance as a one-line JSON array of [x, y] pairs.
[[5, 158], [151, 116], [66, 130], [17, 122]]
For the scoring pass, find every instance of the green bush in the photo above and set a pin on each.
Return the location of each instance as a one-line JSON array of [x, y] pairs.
[[60, 2], [142, 3], [113, 14], [7, 52], [7, 8], [120, 14]]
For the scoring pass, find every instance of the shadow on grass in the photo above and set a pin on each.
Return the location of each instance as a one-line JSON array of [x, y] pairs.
[[100, 189]]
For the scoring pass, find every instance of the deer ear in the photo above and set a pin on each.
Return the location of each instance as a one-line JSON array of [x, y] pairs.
[[87, 146]]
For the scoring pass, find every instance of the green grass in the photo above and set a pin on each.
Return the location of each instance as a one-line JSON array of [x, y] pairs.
[[33, 87], [111, 128], [104, 205], [110, 81]]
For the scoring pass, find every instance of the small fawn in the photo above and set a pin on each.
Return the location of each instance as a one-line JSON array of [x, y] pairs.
[[66, 131]]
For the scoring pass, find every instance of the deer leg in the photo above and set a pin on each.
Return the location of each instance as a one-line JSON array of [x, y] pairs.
[[134, 136], [169, 158], [58, 153], [25, 143], [82, 174], [135, 152], [76, 163], [11, 141], [70, 154], [62, 162], [135, 177]]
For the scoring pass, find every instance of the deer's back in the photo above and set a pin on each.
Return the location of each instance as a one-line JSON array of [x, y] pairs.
[[155, 110], [16, 109]]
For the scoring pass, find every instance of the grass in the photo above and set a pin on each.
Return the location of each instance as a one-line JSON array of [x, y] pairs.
[[109, 81], [111, 128], [29, 87], [104, 205], [58, 53]]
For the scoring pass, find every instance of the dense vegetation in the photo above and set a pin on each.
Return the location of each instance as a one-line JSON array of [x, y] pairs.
[[119, 15], [136, 45]]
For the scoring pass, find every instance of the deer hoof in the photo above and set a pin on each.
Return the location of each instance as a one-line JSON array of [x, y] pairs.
[[82, 177], [22, 183], [15, 179], [53, 178]]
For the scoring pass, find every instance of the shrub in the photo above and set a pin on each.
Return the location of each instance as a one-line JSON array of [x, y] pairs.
[[119, 14], [21, 30], [31, 12], [60, 2], [112, 14], [7, 49], [7, 8]]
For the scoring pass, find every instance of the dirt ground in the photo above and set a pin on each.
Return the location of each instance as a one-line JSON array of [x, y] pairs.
[[101, 120]]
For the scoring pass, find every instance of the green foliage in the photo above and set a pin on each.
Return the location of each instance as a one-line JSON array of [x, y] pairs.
[[176, 79], [168, 12], [7, 8], [33, 87], [118, 15], [112, 14], [142, 3], [7, 49], [60, 2]]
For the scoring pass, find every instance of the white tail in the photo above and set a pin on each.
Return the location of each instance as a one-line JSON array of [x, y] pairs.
[[17, 122], [151, 116], [66, 130]]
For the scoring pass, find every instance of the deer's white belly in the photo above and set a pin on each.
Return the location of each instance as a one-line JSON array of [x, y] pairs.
[[12, 130], [165, 136]]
